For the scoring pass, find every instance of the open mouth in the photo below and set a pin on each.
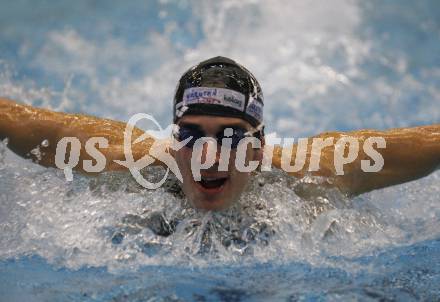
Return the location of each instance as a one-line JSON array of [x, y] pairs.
[[212, 183]]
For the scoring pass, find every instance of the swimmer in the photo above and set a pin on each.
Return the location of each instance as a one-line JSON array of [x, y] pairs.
[[211, 97]]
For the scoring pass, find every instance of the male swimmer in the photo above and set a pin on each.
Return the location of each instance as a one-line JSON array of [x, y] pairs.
[[220, 99]]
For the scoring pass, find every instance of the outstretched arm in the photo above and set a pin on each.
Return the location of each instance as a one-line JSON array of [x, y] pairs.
[[27, 127], [410, 153]]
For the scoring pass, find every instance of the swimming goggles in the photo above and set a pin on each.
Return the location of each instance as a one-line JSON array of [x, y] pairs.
[[236, 134]]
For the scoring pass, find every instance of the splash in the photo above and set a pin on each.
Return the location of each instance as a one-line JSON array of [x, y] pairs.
[[111, 221], [345, 65]]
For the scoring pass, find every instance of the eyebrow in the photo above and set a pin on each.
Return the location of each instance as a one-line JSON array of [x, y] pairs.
[[191, 125]]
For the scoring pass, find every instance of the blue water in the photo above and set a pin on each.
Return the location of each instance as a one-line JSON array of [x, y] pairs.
[[409, 276], [338, 65]]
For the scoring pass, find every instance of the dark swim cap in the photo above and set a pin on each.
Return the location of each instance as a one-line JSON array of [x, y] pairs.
[[219, 87]]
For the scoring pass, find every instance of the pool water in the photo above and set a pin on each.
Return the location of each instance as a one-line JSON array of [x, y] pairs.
[[339, 66]]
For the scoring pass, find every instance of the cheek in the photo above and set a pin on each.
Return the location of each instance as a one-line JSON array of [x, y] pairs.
[[239, 178], [183, 160], [250, 155]]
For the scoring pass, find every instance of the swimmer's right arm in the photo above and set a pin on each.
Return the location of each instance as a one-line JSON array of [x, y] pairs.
[[26, 128]]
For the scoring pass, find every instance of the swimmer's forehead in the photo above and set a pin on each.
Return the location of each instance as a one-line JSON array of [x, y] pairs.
[[214, 122]]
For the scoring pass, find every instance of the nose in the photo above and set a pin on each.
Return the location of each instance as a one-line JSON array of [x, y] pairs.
[[210, 145]]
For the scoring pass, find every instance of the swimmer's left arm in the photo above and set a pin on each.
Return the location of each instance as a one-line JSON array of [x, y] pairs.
[[408, 154], [384, 158]]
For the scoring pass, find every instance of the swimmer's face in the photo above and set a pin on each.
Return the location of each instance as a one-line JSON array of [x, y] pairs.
[[218, 189]]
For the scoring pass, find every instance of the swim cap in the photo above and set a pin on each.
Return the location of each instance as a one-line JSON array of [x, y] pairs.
[[219, 87]]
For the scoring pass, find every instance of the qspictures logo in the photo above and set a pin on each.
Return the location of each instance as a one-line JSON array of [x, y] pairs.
[[205, 149]]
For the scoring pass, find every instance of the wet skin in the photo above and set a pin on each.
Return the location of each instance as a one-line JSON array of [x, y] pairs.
[[221, 197], [410, 153]]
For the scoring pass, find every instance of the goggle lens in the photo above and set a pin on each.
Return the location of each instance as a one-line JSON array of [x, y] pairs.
[[236, 134]]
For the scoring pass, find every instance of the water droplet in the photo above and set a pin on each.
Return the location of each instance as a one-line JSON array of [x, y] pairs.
[[36, 152]]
